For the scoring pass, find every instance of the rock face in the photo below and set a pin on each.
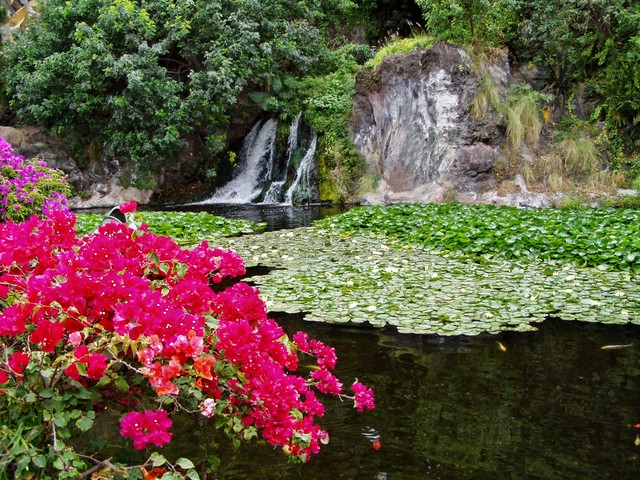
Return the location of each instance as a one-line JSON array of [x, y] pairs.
[[412, 122], [96, 186]]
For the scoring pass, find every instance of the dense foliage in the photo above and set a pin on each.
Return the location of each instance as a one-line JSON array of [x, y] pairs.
[[28, 187], [138, 76], [604, 238], [575, 43], [126, 321], [481, 21]]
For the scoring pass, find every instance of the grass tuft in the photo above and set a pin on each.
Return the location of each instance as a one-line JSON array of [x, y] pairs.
[[396, 45]]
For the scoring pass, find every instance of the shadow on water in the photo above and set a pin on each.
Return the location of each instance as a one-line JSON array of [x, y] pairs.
[[554, 405], [275, 216]]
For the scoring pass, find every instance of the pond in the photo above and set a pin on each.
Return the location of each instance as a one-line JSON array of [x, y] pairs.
[[276, 217], [545, 404]]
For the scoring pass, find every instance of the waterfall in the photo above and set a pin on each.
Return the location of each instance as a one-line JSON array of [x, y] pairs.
[[274, 194], [256, 163], [301, 184], [271, 177]]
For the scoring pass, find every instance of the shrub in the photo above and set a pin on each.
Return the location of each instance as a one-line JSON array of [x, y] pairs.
[[138, 77], [400, 45], [524, 115], [126, 320], [28, 187]]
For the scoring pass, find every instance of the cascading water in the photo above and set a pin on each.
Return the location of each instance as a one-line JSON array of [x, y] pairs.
[[274, 194], [257, 156], [268, 176], [299, 189]]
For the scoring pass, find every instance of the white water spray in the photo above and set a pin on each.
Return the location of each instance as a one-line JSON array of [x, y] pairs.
[[256, 156]]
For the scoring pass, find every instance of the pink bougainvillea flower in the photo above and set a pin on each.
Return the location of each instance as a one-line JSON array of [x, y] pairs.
[[18, 362], [363, 397], [146, 428], [208, 408], [96, 364], [161, 311], [128, 207], [327, 382]]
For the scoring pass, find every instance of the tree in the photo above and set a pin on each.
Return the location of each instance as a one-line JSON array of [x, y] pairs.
[[136, 77], [476, 21]]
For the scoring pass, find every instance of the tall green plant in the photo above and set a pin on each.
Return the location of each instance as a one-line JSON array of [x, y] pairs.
[[470, 21], [328, 106], [137, 77], [593, 42]]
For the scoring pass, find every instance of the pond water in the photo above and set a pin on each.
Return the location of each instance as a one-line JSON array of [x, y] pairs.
[[549, 404], [275, 216], [553, 405]]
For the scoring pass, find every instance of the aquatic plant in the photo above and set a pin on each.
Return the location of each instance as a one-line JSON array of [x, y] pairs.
[[124, 320], [185, 228], [453, 269], [603, 238]]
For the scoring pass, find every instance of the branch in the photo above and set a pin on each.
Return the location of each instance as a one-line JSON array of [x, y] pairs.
[[98, 464]]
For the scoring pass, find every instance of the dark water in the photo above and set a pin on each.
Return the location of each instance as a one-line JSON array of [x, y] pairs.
[[554, 405], [277, 217]]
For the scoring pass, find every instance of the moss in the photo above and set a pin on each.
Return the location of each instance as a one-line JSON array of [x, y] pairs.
[[328, 189]]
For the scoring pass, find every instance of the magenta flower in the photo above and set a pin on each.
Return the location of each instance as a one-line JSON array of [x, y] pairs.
[[363, 397], [128, 207], [146, 428]]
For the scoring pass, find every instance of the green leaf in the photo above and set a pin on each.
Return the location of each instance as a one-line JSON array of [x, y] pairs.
[[84, 423], [82, 368], [157, 459], [122, 384], [185, 463], [104, 381], [46, 393], [30, 397], [193, 475]]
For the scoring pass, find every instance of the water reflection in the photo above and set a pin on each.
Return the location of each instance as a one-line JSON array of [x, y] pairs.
[[554, 405], [276, 217]]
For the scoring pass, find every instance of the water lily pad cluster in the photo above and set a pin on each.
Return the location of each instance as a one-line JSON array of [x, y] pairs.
[[604, 238], [362, 277], [186, 228]]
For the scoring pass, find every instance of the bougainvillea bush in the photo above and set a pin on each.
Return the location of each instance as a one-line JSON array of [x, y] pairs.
[[28, 187], [125, 320]]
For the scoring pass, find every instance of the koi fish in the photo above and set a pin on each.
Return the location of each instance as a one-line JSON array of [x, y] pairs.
[[373, 436], [616, 347]]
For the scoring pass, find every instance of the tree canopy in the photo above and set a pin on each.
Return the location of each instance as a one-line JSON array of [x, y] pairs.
[[136, 78]]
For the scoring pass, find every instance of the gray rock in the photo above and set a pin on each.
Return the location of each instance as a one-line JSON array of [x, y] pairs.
[[413, 124]]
